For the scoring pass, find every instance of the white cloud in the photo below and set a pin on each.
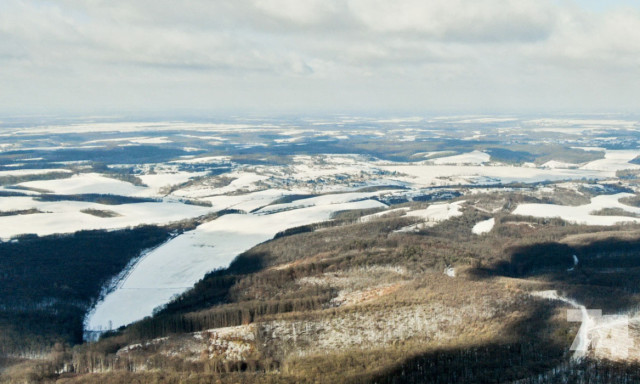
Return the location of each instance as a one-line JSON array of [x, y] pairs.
[[480, 20], [331, 54], [299, 12]]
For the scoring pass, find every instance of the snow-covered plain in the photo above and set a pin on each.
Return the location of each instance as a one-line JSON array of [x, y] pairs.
[[426, 175], [614, 160], [136, 140], [86, 183], [246, 192], [66, 216], [323, 200], [441, 175], [94, 183], [130, 127], [178, 264], [582, 214]]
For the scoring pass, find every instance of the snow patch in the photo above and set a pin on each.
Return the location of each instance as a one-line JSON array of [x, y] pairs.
[[373, 216], [433, 215], [575, 263], [553, 164], [204, 160], [475, 157], [450, 271], [483, 226]]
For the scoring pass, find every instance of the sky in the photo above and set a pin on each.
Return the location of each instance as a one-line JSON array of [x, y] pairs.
[[319, 56]]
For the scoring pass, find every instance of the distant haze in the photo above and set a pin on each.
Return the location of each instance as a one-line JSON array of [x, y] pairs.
[[161, 56]]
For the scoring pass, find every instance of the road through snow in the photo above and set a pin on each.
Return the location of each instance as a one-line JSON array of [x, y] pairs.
[[593, 326]]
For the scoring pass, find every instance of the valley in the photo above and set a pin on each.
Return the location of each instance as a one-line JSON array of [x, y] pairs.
[[318, 250]]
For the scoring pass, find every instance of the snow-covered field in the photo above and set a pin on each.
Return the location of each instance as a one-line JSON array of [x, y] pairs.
[[247, 191], [427, 175], [583, 214], [130, 127], [86, 183], [614, 160], [329, 199], [177, 265], [66, 216], [441, 175]]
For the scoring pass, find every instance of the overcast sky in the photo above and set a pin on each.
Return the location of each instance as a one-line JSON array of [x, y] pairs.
[[312, 56]]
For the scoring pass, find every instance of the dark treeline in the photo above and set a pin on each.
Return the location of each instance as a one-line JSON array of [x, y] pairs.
[[48, 283], [111, 155], [607, 274], [105, 199], [484, 364], [292, 198], [224, 316], [610, 253], [15, 179], [296, 230], [30, 211], [589, 371]]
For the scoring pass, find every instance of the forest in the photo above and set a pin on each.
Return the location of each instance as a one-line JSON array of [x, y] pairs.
[[48, 283], [354, 285]]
